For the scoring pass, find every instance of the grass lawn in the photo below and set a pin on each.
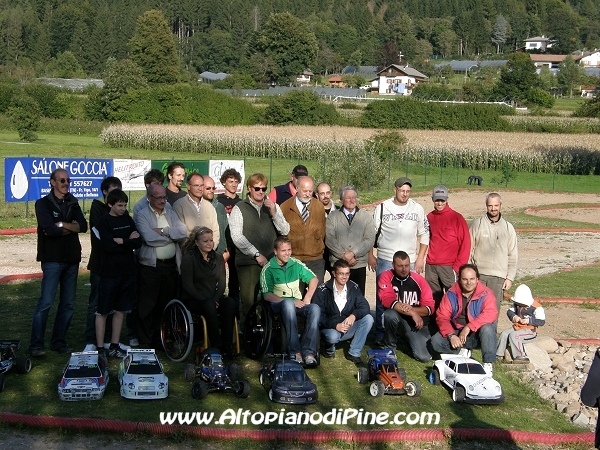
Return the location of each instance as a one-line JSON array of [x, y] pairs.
[[567, 104], [36, 393]]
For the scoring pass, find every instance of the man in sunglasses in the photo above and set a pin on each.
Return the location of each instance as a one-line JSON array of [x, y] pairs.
[[60, 220], [209, 196], [255, 223]]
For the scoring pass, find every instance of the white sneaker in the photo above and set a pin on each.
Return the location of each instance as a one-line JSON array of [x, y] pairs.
[[134, 342], [90, 348], [123, 346], [489, 369], [465, 353]]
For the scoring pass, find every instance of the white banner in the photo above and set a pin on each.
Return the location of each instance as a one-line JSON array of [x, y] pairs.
[[131, 173], [217, 167]]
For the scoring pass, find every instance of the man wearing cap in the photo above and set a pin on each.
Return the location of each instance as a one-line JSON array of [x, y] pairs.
[[281, 193], [400, 224], [526, 315], [494, 248], [449, 244]]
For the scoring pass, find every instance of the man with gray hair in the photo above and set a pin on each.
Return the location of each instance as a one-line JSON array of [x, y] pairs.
[[494, 248], [350, 233]]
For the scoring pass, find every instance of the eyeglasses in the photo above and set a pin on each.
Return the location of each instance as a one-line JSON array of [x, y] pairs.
[[208, 188], [256, 189], [162, 198], [64, 180], [343, 274]]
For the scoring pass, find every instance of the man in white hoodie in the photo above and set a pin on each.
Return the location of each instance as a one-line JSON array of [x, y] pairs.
[[400, 224]]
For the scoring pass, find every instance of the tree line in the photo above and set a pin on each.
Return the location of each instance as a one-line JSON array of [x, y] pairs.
[[74, 38]]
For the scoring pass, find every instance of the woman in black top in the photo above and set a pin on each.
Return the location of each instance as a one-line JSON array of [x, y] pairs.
[[203, 283]]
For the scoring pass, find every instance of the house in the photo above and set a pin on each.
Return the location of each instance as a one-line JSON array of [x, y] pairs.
[[588, 91], [590, 60], [538, 43], [399, 80], [549, 61], [336, 81], [304, 78], [210, 77]]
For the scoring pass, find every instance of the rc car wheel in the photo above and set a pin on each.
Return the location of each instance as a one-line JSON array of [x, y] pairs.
[[177, 331], [402, 374], [233, 372], [261, 378], [271, 394], [199, 390], [257, 330], [241, 388], [23, 364], [189, 373], [459, 393], [363, 375], [1, 382], [377, 388], [413, 388], [434, 376]]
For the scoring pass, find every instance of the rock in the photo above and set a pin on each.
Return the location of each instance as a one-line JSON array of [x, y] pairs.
[[546, 392], [565, 344], [581, 419], [546, 342], [507, 356], [572, 409], [562, 397], [566, 367], [571, 354], [562, 407], [538, 357]]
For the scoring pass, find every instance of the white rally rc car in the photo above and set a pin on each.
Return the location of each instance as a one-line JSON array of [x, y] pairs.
[[141, 376], [84, 377], [468, 380]]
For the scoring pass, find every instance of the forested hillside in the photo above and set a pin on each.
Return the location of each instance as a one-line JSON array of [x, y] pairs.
[[75, 37]]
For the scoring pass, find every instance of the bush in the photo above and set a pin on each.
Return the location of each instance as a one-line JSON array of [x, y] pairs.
[[410, 113], [540, 97], [433, 92], [300, 108], [25, 115], [6, 94]]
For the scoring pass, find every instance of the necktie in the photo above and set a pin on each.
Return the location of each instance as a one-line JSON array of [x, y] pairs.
[[350, 217], [305, 212]]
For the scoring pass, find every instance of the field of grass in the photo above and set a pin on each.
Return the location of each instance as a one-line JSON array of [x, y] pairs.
[[36, 393], [567, 104]]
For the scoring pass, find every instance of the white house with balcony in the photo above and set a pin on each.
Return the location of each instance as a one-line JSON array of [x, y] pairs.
[[591, 60], [538, 43], [399, 80]]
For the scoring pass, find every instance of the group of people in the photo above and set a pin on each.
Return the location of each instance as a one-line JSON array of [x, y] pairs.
[[279, 246]]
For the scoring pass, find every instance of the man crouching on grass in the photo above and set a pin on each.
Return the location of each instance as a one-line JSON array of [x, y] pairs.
[[280, 284]]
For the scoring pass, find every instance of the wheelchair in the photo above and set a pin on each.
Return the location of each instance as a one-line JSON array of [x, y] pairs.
[[177, 332], [264, 333]]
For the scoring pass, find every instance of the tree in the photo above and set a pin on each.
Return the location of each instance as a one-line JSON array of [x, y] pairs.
[[24, 113], [288, 43], [517, 77], [153, 48], [499, 32], [65, 66], [570, 73]]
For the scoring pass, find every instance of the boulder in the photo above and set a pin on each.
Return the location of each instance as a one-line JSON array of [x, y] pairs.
[[546, 392], [538, 357], [581, 419], [546, 342]]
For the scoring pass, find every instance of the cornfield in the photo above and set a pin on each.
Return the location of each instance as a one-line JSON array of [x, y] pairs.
[[525, 152]]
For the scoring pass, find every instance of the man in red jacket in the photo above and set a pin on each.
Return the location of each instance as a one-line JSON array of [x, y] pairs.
[[467, 318], [449, 244]]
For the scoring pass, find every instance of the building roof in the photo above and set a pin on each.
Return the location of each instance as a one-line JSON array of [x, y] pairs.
[[551, 58], [213, 76], [369, 72], [406, 70], [75, 84], [538, 39], [335, 79], [465, 65]]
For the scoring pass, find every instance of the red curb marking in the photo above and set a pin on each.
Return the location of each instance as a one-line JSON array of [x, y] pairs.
[[18, 231]]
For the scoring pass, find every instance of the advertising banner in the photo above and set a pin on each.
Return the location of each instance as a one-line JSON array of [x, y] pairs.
[[217, 167], [131, 173]]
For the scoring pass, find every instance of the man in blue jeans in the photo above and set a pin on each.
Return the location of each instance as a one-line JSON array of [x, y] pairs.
[[467, 318], [280, 284], [345, 313], [60, 220]]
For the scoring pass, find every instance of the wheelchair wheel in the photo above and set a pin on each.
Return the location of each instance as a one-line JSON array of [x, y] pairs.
[[257, 330], [177, 331]]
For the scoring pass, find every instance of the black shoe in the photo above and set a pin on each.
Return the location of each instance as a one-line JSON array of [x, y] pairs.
[[355, 359], [117, 352], [328, 355], [63, 349], [379, 343], [37, 352]]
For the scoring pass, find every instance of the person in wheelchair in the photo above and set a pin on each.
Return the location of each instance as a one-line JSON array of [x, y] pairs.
[[203, 288], [280, 284]]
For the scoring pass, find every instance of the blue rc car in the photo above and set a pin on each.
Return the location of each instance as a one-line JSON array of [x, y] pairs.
[[8, 359]]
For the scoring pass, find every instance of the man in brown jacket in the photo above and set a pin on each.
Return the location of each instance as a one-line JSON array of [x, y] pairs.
[[306, 216]]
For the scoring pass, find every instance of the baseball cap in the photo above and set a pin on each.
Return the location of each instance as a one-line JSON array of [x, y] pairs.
[[402, 181], [440, 192], [300, 171]]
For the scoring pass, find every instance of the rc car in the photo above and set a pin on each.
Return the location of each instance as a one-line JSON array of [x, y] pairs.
[[84, 378], [385, 376], [468, 380], [287, 382], [214, 376], [8, 359], [141, 376]]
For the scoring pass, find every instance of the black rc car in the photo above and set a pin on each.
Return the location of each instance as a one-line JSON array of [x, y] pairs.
[[287, 382], [214, 376], [8, 360]]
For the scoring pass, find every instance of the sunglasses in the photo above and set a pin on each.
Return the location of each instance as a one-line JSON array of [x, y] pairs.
[[209, 188], [64, 180], [256, 189]]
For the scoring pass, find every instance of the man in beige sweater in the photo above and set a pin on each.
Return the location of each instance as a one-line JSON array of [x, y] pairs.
[[193, 211], [494, 248]]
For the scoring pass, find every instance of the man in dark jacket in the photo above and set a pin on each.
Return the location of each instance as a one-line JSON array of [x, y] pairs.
[[345, 313], [60, 220], [590, 392]]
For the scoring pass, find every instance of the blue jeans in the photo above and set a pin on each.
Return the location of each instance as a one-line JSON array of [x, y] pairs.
[[311, 314], [382, 266], [404, 325], [485, 336], [359, 330], [54, 273]]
